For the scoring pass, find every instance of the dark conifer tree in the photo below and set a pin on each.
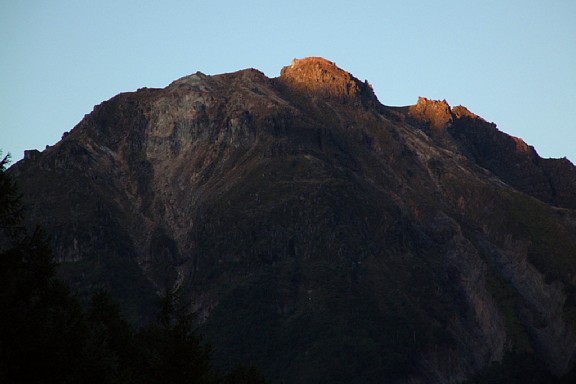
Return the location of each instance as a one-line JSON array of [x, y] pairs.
[[173, 349], [41, 325]]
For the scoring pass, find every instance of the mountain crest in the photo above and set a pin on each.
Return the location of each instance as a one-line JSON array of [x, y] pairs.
[[435, 112], [460, 111], [322, 77]]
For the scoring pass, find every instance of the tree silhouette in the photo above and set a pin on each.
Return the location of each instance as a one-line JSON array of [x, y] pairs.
[[46, 336]]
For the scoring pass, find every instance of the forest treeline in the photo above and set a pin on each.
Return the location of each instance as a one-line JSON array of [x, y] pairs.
[[48, 336]]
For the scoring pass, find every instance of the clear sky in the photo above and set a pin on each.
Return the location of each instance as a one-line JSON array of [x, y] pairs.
[[513, 62]]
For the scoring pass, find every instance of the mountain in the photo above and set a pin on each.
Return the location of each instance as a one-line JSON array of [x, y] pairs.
[[321, 235]]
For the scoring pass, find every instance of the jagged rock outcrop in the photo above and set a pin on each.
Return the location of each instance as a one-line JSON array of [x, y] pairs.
[[321, 235], [322, 78], [510, 158], [436, 114]]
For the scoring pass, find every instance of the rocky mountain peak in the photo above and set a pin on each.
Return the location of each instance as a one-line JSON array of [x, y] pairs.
[[435, 243], [320, 76], [435, 112], [459, 111]]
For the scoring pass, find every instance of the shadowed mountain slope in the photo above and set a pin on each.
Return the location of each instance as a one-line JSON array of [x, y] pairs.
[[321, 235]]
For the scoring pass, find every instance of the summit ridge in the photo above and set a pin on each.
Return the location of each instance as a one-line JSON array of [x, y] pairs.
[[316, 74]]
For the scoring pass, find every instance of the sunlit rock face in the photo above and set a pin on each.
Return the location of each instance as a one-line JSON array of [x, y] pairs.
[[322, 76], [319, 234], [318, 77], [436, 113]]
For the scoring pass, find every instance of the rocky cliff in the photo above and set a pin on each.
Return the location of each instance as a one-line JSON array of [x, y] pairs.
[[321, 235]]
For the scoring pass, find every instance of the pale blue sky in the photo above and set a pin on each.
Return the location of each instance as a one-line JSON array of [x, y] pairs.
[[512, 62]]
